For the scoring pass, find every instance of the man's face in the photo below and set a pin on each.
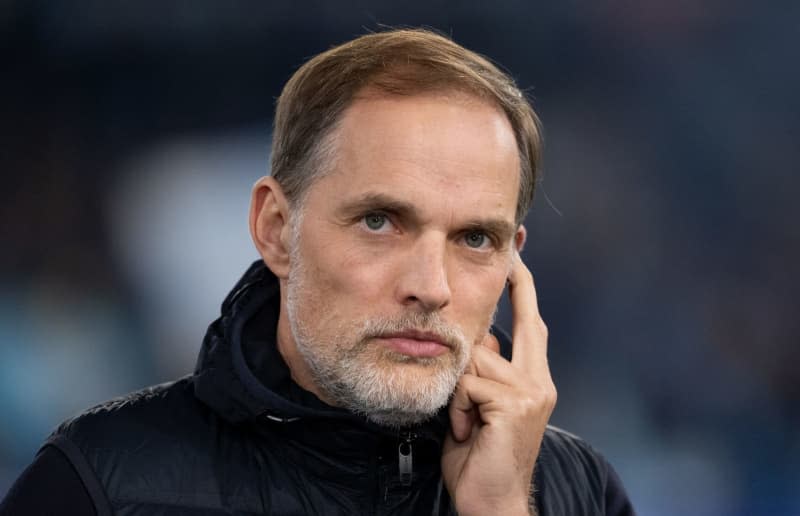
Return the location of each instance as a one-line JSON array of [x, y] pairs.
[[402, 252]]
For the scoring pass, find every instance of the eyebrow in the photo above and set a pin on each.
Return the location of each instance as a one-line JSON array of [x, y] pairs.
[[378, 202], [381, 202]]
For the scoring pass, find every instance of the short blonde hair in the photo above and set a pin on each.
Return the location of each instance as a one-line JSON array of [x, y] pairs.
[[394, 62]]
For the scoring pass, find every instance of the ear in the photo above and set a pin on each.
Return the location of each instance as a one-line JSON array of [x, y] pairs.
[[520, 237], [269, 225]]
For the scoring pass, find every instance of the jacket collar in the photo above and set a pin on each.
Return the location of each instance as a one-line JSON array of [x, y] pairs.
[[241, 375]]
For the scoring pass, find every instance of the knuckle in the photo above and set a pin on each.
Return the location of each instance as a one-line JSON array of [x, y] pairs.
[[544, 396], [543, 328], [527, 274], [464, 382], [552, 395], [525, 406]]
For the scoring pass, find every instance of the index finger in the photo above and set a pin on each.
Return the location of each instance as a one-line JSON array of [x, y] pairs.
[[529, 333]]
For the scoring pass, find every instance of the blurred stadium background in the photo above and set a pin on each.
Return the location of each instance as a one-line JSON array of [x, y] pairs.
[[665, 238]]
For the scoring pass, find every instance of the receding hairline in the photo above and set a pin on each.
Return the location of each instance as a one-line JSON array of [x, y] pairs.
[[397, 62], [327, 160], [455, 92]]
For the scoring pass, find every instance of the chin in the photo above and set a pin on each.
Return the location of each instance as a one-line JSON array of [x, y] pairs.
[[401, 393]]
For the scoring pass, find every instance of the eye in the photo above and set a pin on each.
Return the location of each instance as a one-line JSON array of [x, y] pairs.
[[375, 221], [476, 239]]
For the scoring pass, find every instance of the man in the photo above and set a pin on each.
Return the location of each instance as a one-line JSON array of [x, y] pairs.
[[354, 369]]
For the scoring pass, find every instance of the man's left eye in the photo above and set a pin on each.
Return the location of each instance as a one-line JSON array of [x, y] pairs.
[[375, 221], [476, 239]]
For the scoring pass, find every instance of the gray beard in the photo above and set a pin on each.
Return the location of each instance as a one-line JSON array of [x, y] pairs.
[[378, 391], [357, 375]]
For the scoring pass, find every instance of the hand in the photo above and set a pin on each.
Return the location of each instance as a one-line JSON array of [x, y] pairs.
[[499, 412]]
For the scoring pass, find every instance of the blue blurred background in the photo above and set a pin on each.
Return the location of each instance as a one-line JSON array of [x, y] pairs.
[[665, 237]]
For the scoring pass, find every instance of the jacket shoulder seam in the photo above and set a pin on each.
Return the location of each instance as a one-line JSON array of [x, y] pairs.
[[85, 472]]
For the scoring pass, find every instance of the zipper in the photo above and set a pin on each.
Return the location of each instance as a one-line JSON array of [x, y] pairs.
[[279, 419], [405, 457]]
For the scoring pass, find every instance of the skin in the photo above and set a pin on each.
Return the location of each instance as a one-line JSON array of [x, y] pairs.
[[437, 178]]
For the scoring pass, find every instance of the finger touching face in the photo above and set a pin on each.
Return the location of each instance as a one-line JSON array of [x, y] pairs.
[[529, 332]]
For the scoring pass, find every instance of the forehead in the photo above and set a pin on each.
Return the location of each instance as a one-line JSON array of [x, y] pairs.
[[454, 149]]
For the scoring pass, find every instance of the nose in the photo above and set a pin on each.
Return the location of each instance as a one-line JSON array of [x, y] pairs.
[[423, 278]]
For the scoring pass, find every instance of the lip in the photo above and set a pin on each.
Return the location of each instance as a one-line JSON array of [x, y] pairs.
[[416, 343]]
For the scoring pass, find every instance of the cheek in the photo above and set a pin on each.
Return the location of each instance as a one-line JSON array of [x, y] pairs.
[[477, 293], [343, 269]]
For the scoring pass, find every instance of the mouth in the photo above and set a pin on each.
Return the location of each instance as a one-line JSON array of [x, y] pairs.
[[415, 343]]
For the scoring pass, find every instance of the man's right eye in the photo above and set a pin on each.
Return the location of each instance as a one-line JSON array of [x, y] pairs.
[[375, 221]]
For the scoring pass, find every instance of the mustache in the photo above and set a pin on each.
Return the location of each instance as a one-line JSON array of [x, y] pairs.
[[415, 322]]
